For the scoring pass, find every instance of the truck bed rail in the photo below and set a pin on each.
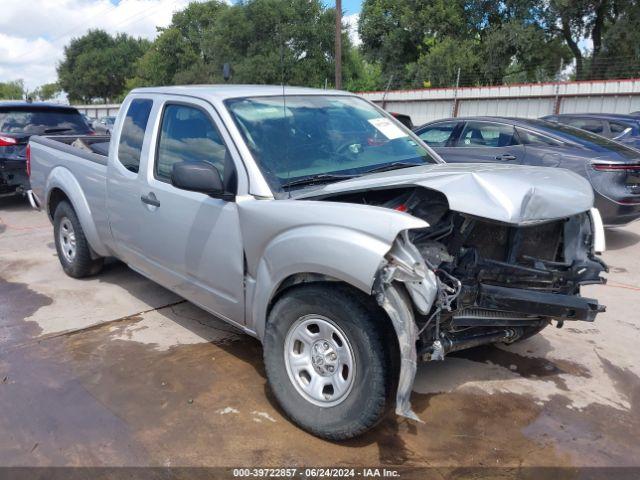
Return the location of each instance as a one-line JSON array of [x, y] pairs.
[[63, 143]]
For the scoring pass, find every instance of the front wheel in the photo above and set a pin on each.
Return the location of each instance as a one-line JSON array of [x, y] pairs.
[[531, 331], [72, 246], [327, 361]]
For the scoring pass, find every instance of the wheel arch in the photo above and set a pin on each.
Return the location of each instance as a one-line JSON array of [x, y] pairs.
[[56, 196], [329, 255], [311, 254], [63, 186]]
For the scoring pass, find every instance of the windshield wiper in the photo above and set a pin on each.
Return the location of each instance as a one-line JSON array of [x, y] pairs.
[[56, 130], [315, 179], [393, 166]]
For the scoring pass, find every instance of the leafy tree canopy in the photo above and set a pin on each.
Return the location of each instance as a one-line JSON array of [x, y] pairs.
[[46, 91], [264, 41], [13, 90], [96, 65], [425, 42], [404, 43]]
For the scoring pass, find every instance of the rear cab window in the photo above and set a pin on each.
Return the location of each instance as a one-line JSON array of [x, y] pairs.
[[132, 134]]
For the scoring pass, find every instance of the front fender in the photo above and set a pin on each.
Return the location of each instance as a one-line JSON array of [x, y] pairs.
[[338, 252], [61, 178], [344, 241]]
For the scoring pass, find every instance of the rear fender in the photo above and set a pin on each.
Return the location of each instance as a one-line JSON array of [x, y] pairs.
[[61, 178]]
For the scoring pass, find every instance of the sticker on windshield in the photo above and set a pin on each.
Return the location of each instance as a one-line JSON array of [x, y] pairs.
[[387, 128]]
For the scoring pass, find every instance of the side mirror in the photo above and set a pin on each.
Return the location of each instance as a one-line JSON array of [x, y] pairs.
[[198, 177]]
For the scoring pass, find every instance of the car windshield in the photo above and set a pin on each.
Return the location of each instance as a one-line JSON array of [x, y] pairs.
[[324, 138], [38, 120], [585, 138]]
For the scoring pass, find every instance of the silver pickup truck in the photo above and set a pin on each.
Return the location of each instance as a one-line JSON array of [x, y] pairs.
[[314, 221]]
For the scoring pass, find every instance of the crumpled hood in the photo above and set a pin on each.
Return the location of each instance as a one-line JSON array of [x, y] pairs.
[[514, 194]]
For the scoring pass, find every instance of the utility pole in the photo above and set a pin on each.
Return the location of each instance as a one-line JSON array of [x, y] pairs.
[[454, 109], [558, 99], [338, 53]]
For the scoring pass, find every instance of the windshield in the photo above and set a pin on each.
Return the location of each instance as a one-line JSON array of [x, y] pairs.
[[35, 120], [315, 136], [586, 139]]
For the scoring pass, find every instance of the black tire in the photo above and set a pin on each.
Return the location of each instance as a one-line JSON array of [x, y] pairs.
[[365, 327], [531, 331], [82, 264]]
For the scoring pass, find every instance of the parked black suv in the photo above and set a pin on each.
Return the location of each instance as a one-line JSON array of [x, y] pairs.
[[20, 120]]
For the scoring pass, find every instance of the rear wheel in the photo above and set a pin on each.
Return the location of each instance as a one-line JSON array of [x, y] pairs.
[[327, 362], [72, 246]]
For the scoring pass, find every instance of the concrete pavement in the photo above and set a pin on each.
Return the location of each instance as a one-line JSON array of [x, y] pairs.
[[115, 370]]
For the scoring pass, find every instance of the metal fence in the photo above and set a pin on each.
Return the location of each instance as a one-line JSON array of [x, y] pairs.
[[99, 111], [523, 100]]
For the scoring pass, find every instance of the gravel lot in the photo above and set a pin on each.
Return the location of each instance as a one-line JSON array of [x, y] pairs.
[[115, 371]]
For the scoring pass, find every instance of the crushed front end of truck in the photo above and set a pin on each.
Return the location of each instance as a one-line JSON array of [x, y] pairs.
[[469, 281]]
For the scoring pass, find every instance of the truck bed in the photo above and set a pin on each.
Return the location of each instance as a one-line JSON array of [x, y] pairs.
[[63, 143], [55, 161]]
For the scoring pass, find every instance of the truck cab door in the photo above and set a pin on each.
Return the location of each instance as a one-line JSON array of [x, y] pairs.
[[190, 241], [129, 150]]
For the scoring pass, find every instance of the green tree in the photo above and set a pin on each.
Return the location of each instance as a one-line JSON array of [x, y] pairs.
[[13, 90], [177, 55], [425, 42], [612, 27], [96, 65], [366, 76], [619, 56], [264, 41], [47, 91]]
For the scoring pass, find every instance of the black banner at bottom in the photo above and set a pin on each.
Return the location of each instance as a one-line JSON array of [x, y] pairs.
[[308, 473]]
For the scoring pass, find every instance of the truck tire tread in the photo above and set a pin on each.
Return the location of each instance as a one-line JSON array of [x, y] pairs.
[[84, 264], [371, 393]]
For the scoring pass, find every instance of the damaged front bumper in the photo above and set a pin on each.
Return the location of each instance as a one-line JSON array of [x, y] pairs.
[[406, 266], [409, 288], [557, 306]]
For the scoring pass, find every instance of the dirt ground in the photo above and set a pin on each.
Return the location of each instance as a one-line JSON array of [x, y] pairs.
[[117, 371]]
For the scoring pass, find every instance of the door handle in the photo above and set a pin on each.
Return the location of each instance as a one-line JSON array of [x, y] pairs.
[[506, 156], [150, 199]]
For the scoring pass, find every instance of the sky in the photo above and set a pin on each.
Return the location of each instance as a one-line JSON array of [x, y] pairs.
[[33, 33]]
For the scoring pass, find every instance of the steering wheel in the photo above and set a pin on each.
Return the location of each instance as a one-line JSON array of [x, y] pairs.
[[344, 150]]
